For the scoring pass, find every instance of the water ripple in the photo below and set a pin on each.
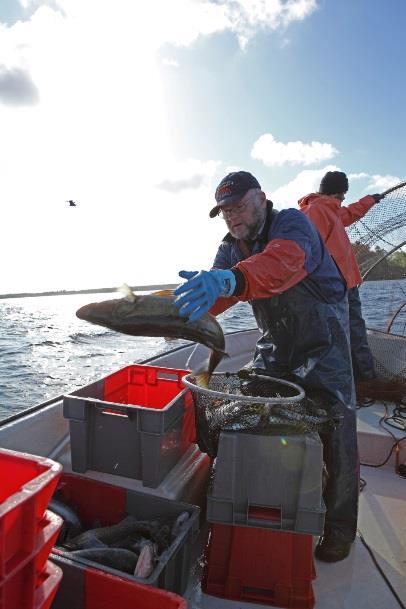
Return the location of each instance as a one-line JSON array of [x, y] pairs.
[[45, 350]]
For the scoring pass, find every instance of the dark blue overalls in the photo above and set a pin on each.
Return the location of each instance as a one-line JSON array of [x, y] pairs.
[[305, 338]]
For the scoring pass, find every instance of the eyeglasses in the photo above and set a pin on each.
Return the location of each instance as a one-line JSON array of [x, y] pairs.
[[235, 209]]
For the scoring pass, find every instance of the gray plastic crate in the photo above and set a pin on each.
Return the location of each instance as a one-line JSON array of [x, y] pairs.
[[269, 482], [81, 587], [85, 495], [134, 439]]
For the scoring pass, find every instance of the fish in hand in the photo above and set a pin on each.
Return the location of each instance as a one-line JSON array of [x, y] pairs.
[[157, 315]]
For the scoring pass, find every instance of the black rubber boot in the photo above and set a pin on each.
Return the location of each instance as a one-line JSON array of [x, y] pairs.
[[342, 488], [332, 549], [361, 355]]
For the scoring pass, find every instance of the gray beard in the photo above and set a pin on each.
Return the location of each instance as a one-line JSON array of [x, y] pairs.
[[253, 230]]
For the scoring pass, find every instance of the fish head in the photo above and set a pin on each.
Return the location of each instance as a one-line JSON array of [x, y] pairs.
[[111, 314]]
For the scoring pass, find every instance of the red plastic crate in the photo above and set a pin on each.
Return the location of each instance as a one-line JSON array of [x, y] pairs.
[[47, 585], [17, 590], [260, 565], [146, 386], [88, 588], [137, 422], [33, 590], [27, 485], [50, 526], [105, 591]]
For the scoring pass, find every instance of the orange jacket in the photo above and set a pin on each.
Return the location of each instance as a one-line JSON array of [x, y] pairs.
[[330, 219]]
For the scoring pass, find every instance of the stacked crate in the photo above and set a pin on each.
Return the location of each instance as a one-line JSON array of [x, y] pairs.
[[264, 504], [95, 589], [138, 423], [27, 531], [109, 505]]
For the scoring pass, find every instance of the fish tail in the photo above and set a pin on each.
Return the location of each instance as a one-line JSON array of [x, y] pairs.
[[202, 379], [203, 372]]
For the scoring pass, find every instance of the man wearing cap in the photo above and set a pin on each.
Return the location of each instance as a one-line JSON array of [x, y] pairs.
[[277, 261], [330, 218]]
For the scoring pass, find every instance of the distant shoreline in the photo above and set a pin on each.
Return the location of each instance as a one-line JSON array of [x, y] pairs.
[[135, 288]]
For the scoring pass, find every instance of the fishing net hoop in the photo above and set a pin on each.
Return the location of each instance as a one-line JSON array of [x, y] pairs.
[[245, 402], [397, 247], [189, 378], [394, 317], [373, 228], [393, 188], [380, 260], [379, 240]]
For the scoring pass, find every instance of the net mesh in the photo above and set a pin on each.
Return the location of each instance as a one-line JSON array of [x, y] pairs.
[[381, 231], [254, 404], [379, 242]]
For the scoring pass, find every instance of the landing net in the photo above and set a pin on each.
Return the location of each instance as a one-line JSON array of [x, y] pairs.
[[255, 404], [379, 241]]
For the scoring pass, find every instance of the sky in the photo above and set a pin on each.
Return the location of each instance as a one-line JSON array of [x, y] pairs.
[[136, 110]]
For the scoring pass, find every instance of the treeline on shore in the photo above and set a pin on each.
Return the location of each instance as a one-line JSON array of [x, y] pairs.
[[135, 288], [392, 266]]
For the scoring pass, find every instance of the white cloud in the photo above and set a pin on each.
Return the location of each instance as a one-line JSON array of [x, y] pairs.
[[376, 182], [167, 61], [17, 88], [198, 17], [305, 182], [358, 176], [33, 4], [232, 168], [246, 16], [243, 17], [192, 174], [275, 12], [99, 135], [380, 183], [308, 181], [275, 154]]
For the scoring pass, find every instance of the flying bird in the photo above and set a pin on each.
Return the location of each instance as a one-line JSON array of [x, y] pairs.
[[71, 203]]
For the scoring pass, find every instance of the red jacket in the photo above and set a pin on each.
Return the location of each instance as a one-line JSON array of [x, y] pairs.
[[288, 251], [330, 219]]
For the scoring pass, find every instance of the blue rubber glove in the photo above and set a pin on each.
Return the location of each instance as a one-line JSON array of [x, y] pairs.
[[197, 295]]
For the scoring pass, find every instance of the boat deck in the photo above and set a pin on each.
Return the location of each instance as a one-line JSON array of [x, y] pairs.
[[360, 581], [374, 440], [356, 582]]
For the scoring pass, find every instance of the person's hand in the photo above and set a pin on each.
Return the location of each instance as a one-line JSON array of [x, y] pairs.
[[377, 197], [199, 293]]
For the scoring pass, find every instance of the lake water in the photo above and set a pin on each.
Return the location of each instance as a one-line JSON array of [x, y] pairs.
[[45, 350]]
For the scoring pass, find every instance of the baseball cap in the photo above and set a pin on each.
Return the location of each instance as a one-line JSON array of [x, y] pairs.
[[232, 188]]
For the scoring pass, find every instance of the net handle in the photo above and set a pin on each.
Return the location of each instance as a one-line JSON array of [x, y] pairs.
[[392, 251], [247, 398], [383, 194]]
